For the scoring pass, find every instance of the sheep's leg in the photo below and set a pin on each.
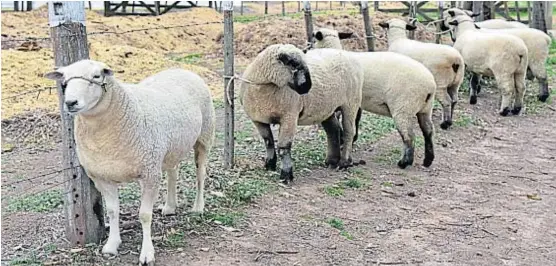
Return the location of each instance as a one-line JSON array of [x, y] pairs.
[[446, 102], [453, 92], [519, 92], [474, 87], [357, 120], [543, 90], [285, 139], [201, 154], [266, 133], [110, 194], [149, 190], [348, 124], [332, 128], [427, 127], [170, 204], [540, 73], [506, 85], [403, 124]]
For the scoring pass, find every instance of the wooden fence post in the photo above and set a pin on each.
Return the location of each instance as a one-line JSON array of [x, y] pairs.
[[283, 8], [412, 15], [29, 5], [529, 14], [376, 5], [298, 6], [16, 5], [440, 16], [266, 7], [548, 15], [241, 9], [316, 5], [228, 91], [83, 203], [478, 9], [517, 11], [538, 18], [308, 21], [368, 28]]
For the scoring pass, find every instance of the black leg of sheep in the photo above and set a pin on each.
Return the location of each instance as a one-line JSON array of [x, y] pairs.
[[333, 131], [266, 133]]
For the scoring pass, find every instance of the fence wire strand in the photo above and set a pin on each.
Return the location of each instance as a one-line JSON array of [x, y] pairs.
[[37, 177]]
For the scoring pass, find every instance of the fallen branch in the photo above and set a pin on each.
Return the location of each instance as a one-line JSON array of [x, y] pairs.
[[273, 252], [488, 232]]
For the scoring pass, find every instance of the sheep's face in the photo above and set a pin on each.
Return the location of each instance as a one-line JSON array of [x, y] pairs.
[[292, 71], [393, 24], [329, 38], [83, 84]]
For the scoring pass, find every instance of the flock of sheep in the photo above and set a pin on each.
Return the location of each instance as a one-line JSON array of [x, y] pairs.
[[134, 132]]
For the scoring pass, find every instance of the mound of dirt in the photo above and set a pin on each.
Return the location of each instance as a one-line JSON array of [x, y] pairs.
[[250, 40], [37, 128]]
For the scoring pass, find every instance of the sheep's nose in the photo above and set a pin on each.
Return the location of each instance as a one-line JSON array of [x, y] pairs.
[[70, 104]]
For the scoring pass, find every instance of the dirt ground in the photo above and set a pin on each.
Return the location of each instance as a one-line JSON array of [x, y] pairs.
[[488, 199]]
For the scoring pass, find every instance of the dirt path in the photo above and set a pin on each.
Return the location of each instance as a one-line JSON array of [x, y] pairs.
[[488, 200]]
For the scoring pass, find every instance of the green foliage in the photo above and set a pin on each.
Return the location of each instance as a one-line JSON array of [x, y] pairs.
[[334, 190], [336, 223], [45, 201]]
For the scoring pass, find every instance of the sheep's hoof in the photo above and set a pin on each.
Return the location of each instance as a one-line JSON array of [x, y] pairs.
[[505, 111], [331, 163], [344, 164], [445, 125], [478, 89], [270, 164], [473, 99], [428, 160], [286, 176], [403, 164], [543, 97], [516, 110]]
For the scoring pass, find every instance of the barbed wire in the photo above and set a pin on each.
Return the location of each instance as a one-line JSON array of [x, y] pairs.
[[38, 176], [27, 39], [38, 91]]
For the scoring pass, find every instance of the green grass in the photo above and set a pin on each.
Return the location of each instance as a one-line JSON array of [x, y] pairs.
[[463, 120], [334, 190], [353, 183], [45, 201], [189, 59], [336, 223], [130, 193], [347, 235], [30, 259], [387, 184], [373, 127], [175, 238], [227, 218], [390, 156]]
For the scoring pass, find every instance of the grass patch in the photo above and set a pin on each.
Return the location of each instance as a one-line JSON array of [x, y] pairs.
[[175, 238], [387, 184], [463, 120], [227, 218], [45, 201], [31, 259], [336, 223], [189, 59], [246, 191], [373, 127], [353, 183], [390, 156], [130, 193], [334, 190], [346, 234]]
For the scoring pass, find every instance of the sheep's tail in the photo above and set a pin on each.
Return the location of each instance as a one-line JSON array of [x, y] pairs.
[[459, 70]]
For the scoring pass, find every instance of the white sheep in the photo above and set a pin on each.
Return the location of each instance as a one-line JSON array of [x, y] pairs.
[[497, 55], [538, 45], [126, 133], [396, 86], [290, 88], [445, 63]]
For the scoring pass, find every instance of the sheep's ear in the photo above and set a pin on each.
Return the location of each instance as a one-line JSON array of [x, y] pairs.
[[384, 25], [477, 27], [452, 13], [319, 36], [344, 35], [107, 72], [290, 61], [453, 23], [410, 27], [54, 75], [475, 15]]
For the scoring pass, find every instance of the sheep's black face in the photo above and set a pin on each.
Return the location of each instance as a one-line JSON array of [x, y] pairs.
[[301, 77]]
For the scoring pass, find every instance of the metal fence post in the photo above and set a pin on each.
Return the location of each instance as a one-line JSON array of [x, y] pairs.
[[308, 21], [368, 26]]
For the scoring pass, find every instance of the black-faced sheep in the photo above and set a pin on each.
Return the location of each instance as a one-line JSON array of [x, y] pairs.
[[497, 55], [290, 88], [396, 86], [445, 63], [126, 133]]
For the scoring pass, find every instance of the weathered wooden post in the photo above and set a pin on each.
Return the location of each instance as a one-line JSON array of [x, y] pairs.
[[106, 8], [368, 26], [298, 6], [538, 18], [83, 203], [29, 5], [90, 5], [376, 5], [548, 14], [440, 16], [283, 8], [16, 5], [228, 86], [241, 9], [308, 22], [266, 7], [529, 14], [488, 10], [517, 11], [330, 5], [478, 9], [316, 5]]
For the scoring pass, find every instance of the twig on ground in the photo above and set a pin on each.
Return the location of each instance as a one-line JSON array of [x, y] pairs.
[[456, 224], [273, 252], [377, 262], [524, 177], [488, 232]]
